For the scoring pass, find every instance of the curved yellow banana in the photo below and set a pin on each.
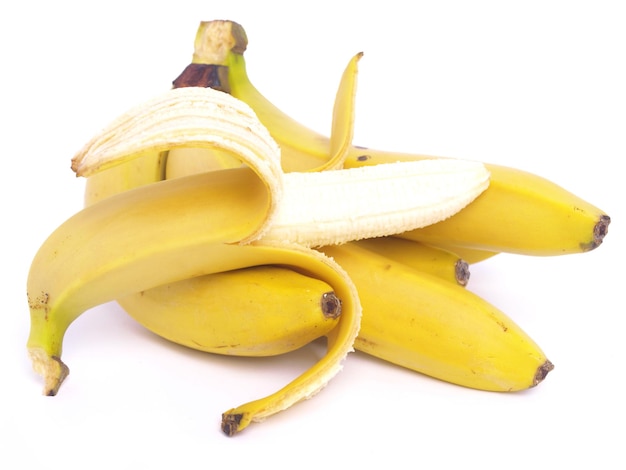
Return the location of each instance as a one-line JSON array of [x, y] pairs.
[[435, 261], [256, 311], [432, 326], [520, 212]]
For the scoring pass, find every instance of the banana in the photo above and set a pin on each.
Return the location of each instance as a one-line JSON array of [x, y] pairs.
[[435, 261], [522, 213], [172, 230], [256, 311], [427, 324], [519, 213]]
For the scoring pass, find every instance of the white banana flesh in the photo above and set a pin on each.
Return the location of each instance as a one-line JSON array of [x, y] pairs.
[[367, 202]]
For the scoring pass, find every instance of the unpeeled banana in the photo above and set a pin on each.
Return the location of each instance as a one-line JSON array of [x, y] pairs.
[[436, 261], [257, 311], [419, 321]]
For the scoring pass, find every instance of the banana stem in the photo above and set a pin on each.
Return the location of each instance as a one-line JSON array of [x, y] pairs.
[[204, 75], [45, 343]]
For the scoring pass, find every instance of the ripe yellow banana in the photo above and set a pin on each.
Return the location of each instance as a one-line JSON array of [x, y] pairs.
[[217, 221], [422, 322], [429, 259], [519, 213], [257, 311]]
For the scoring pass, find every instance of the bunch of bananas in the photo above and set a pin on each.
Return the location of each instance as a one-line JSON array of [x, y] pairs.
[[220, 223]]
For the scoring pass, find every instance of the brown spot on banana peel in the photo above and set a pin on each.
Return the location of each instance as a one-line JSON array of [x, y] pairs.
[[39, 302], [542, 372]]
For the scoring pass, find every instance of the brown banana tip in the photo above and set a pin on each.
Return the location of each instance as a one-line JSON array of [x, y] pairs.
[[230, 423], [601, 229], [462, 272], [331, 305], [74, 166], [542, 372], [51, 368], [53, 383]]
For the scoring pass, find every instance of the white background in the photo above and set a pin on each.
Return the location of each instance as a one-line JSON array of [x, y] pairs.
[[537, 85]]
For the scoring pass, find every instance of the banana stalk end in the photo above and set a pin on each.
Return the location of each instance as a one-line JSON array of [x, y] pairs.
[[234, 422], [542, 372], [462, 272], [216, 39], [51, 368], [600, 230]]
